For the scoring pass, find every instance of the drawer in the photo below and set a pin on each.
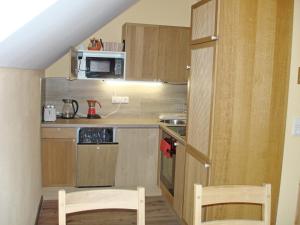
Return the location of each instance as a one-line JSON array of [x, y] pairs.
[[59, 132]]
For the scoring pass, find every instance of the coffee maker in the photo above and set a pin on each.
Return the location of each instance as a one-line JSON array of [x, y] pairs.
[[92, 109]]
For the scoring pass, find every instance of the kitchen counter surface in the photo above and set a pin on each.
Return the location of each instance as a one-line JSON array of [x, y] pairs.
[[116, 122], [128, 122]]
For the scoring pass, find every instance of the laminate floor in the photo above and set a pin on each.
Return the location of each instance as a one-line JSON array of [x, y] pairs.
[[158, 212]]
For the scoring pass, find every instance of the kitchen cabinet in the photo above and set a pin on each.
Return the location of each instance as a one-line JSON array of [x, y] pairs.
[[179, 179], [238, 97], [196, 172], [155, 52], [200, 96], [204, 21], [173, 54], [141, 45], [137, 160], [58, 156]]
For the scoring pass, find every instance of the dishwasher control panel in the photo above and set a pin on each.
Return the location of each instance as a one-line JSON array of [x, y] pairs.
[[96, 135]]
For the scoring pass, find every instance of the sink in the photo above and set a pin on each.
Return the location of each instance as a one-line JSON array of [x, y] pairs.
[[173, 121], [181, 130]]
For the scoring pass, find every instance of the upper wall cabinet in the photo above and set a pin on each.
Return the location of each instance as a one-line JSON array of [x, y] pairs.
[[173, 54], [156, 52], [141, 43], [204, 21]]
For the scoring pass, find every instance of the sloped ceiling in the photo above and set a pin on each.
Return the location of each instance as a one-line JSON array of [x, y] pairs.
[[50, 35]]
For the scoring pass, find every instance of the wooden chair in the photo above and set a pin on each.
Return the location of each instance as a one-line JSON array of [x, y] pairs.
[[214, 195], [101, 199]]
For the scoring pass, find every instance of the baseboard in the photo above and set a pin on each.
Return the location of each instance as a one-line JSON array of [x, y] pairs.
[[39, 211]]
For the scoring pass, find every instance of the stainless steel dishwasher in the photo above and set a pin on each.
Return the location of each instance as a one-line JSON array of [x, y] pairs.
[[97, 154]]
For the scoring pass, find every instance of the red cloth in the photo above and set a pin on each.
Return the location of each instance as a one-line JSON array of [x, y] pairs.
[[165, 147]]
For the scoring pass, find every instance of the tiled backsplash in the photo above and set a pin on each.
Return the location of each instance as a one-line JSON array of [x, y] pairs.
[[145, 100]]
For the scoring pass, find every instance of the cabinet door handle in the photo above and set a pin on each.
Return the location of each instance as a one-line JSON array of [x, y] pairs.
[[188, 67], [214, 38], [206, 165]]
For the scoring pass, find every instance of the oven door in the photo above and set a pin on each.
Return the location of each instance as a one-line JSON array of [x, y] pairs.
[[167, 168]]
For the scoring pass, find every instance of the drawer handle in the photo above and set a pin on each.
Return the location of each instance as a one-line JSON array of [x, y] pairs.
[[214, 38], [98, 148]]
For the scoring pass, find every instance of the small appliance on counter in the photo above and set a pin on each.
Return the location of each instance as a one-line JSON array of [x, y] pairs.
[[70, 108], [92, 109], [49, 113]]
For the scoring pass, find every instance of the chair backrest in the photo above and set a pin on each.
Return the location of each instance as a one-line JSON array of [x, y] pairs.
[[101, 199], [214, 195]]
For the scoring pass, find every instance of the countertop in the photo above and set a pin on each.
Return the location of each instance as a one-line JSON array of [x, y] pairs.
[[116, 122], [128, 122]]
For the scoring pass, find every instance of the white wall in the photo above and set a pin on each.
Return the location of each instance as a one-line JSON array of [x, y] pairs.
[[20, 160], [291, 159]]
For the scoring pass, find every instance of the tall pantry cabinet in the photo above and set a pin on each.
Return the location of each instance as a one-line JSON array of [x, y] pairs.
[[240, 57]]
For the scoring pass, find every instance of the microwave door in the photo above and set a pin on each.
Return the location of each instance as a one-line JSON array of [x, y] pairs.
[[100, 67]]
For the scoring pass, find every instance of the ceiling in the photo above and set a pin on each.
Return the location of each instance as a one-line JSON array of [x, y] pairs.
[[49, 36]]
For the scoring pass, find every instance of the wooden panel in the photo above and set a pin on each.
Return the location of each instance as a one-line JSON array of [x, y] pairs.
[[195, 173], [179, 179], [58, 162], [298, 82], [204, 20], [141, 43], [250, 98], [96, 165], [58, 132], [138, 157], [297, 221], [215, 195], [173, 54], [200, 98], [236, 194]]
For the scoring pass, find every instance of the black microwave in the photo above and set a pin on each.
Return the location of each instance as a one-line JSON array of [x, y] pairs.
[[98, 64]]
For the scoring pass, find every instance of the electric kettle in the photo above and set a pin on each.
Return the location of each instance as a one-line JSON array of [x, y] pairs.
[[70, 108]]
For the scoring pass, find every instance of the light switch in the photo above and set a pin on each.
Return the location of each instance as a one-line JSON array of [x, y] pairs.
[[296, 127]]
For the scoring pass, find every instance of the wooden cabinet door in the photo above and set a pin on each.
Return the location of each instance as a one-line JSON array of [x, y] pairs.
[[58, 162], [201, 97], [96, 165], [137, 162], [196, 172], [204, 20], [179, 179], [173, 54], [141, 43]]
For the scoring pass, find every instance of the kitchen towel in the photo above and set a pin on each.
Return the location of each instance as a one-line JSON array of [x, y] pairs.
[[165, 147]]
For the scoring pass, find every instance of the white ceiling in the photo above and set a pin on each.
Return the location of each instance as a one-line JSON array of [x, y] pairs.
[[47, 37]]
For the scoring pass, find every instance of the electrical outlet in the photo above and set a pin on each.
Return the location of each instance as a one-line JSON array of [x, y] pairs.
[[120, 100], [296, 127]]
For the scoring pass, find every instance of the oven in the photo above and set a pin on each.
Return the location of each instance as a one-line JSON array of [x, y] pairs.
[[167, 161]]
